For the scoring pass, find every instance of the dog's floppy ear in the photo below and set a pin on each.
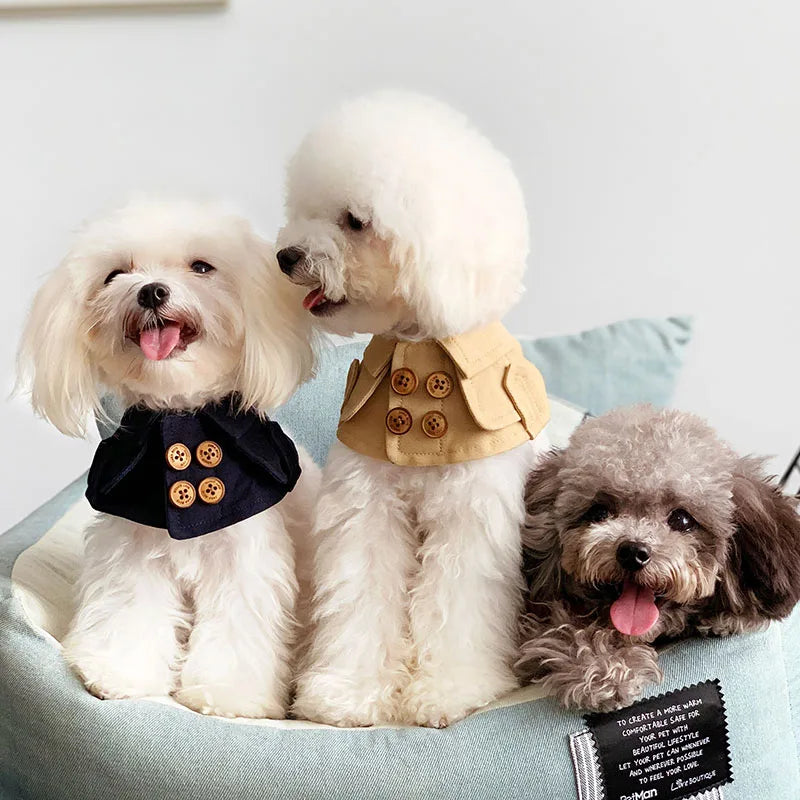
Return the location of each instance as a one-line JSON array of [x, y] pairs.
[[53, 361], [763, 572], [278, 353], [541, 551]]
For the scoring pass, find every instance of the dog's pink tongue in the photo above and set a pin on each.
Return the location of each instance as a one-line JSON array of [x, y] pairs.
[[635, 612], [158, 343], [314, 298]]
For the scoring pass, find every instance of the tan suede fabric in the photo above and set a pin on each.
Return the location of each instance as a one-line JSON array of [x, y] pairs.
[[497, 402]]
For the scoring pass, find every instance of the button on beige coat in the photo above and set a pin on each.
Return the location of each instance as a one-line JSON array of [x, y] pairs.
[[399, 405]]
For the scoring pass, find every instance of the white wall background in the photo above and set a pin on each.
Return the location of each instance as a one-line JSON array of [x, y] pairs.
[[657, 144]]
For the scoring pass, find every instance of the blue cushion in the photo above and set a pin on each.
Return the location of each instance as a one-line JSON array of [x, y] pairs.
[[635, 361], [57, 742]]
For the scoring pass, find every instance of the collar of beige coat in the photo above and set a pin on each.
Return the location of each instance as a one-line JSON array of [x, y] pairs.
[[442, 401]]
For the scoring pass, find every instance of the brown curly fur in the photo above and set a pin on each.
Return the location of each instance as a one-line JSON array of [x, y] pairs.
[[736, 570]]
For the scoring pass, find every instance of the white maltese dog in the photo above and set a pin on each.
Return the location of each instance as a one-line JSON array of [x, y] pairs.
[[179, 311], [404, 222]]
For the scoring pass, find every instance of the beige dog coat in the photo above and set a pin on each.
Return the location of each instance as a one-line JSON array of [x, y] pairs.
[[442, 401]]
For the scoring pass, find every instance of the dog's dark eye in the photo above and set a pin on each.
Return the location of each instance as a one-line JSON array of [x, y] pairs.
[[202, 267], [354, 223], [597, 513], [113, 274], [681, 520]]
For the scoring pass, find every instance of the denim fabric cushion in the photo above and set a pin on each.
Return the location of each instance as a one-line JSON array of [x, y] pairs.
[[57, 742], [635, 361]]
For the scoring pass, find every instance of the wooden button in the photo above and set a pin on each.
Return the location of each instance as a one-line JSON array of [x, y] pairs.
[[399, 421], [182, 494], [434, 424], [178, 456], [439, 385], [209, 454], [404, 381], [211, 490]]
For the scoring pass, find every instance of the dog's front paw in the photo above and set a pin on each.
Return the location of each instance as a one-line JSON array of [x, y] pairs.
[[437, 702], [610, 693], [438, 713], [112, 679], [225, 700], [594, 669], [210, 685], [618, 678], [330, 714], [345, 701]]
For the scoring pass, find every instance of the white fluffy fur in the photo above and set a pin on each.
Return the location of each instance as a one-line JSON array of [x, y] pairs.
[[209, 619], [416, 569], [448, 232]]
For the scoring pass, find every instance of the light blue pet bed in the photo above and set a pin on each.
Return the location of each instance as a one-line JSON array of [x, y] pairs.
[[57, 742]]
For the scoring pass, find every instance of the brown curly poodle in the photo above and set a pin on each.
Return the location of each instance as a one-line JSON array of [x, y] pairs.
[[647, 528]]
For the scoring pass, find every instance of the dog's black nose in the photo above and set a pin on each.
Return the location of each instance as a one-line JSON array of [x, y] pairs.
[[153, 295], [288, 258], [633, 555]]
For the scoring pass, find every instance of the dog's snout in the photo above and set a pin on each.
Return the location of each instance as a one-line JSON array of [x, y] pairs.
[[288, 258], [633, 555], [153, 295]]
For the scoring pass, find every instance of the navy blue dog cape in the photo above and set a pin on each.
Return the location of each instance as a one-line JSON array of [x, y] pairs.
[[192, 472]]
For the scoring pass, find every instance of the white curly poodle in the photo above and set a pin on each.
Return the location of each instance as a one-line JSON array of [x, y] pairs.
[[403, 220]]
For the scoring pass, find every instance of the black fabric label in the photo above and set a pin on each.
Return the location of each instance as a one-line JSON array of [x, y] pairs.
[[665, 748]]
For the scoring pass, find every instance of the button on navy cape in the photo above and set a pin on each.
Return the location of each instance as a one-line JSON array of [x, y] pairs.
[[130, 476]]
